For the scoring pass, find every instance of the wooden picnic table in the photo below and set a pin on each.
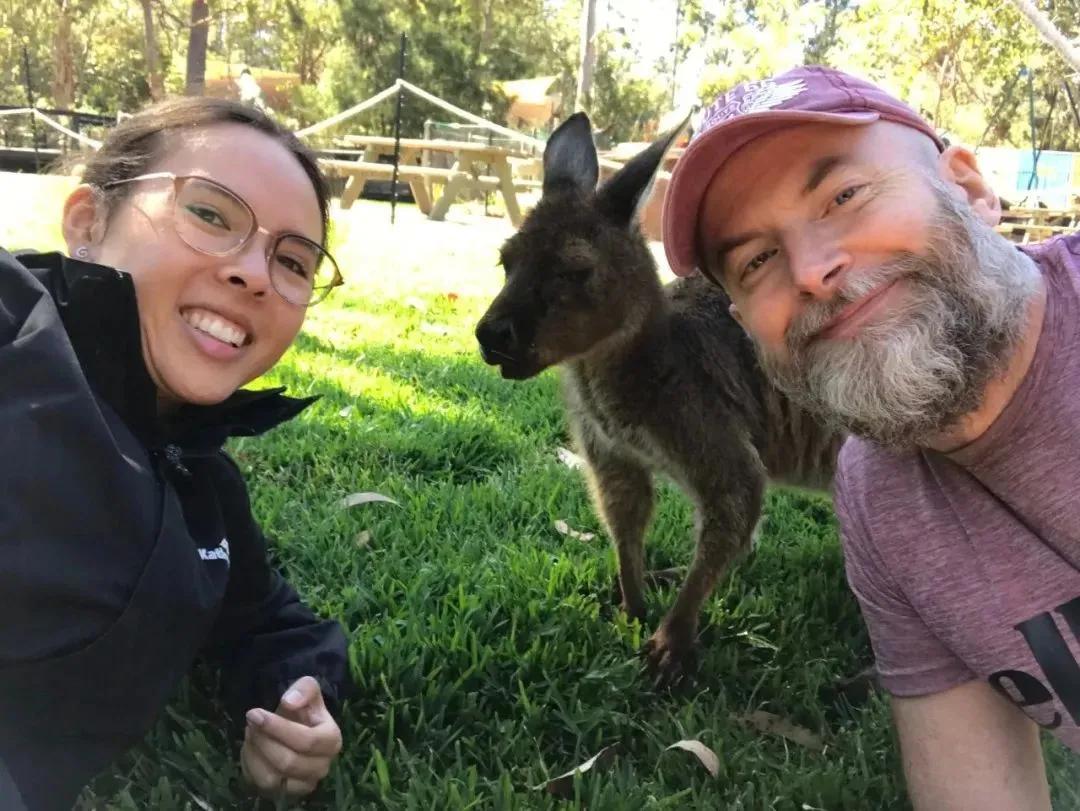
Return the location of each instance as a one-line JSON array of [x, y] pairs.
[[465, 174], [1025, 225]]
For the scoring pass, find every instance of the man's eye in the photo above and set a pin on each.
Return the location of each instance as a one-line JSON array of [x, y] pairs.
[[758, 261], [846, 195]]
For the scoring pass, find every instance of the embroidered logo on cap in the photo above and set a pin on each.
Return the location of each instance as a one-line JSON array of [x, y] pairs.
[[751, 97]]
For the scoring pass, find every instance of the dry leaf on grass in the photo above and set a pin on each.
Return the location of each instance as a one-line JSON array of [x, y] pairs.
[[772, 724], [363, 538], [563, 785], [201, 803], [356, 499], [346, 412], [570, 459], [703, 753], [563, 528]]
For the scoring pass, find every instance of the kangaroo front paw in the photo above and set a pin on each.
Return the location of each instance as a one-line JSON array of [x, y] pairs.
[[671, 655]]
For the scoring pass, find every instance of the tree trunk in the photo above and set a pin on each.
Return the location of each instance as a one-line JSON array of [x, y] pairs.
[[1049, 32], [588, 55], [153, 58], [196, 56], [63, 84], [486, 29]]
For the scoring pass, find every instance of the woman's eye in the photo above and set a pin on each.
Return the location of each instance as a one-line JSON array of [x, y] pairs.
[[293, 266], [208, 216]]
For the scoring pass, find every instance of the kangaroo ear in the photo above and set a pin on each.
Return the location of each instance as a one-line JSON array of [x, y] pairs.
[[570, 156], [621, 197]]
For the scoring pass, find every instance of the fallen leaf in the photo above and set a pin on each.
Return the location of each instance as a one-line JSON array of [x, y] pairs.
[[203, 804], [772, 724], [563, 785], [363, 539], [703, 753], [452, 297], [355, 499], [570, 459], [564, 529], [346, 412]]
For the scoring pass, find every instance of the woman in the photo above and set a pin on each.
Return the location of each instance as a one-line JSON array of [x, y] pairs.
[[127, 542]]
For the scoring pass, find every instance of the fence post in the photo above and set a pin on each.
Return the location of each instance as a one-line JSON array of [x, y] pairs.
[[397, 133]]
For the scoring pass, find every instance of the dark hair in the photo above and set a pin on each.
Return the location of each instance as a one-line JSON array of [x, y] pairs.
[[135, 144]]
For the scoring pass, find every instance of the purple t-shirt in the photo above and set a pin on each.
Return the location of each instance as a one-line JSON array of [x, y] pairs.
[[967, 565]]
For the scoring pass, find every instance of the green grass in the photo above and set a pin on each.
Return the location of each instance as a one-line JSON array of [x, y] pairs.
[[486, 650]]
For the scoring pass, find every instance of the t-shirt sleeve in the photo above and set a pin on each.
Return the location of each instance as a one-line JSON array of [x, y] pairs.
[[910, 658]]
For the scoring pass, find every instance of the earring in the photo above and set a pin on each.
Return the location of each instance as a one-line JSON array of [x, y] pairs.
[[81, 252]]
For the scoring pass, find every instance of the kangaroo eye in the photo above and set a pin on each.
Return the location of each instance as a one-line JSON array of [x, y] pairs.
[[574, 275]]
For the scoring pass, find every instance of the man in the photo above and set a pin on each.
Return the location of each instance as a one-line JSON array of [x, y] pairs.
[[858, 252]]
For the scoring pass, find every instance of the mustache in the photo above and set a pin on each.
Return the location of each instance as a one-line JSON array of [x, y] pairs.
[[818, 314]]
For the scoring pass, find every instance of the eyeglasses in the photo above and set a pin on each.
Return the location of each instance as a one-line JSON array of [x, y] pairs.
[[213, 220]]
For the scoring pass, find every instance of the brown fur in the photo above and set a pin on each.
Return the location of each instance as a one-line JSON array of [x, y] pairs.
[[655, 379]]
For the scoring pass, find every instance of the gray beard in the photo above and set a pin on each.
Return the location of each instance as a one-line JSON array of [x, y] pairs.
[[909, 377]]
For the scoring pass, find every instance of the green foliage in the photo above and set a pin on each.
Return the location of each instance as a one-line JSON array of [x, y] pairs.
[[955, 62], [623, 104]]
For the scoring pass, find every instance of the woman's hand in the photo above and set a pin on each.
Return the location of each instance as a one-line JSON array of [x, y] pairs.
[[289, 751]]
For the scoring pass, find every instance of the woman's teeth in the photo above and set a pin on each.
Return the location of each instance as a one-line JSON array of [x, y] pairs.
[[215, 326]]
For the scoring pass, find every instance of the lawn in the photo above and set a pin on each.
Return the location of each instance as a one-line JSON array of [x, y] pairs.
[[486, 650]]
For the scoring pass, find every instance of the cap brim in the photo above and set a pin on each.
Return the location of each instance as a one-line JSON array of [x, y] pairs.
[[703, 159]]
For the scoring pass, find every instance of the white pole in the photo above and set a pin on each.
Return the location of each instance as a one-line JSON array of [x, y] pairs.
[[1049, 32]]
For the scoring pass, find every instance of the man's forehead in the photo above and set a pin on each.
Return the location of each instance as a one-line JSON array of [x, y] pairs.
[[795, 161], [791, 149]]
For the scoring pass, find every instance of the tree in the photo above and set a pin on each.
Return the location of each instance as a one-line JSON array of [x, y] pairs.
[[586, 56], [63, 80], [196, 55], [1046, 28], [959, 66], [624, 104], [449, 55], [153, 57]]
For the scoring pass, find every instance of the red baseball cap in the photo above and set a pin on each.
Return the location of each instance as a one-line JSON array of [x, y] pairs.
[[749, 110]]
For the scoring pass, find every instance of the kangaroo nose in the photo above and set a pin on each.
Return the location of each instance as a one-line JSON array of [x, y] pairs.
[[496, 337]]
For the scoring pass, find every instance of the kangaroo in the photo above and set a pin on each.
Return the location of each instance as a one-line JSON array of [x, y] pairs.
[[655, 379]]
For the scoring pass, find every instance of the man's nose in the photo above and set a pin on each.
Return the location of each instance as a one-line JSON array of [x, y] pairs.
[[817, 263]]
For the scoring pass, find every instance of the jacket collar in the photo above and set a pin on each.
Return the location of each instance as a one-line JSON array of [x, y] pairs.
[[98, 309]]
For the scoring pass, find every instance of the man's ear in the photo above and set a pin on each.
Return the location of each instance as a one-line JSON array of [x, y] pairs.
[[958, 167], [84, 220]]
